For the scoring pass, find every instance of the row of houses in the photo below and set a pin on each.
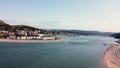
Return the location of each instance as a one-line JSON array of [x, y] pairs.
[[27, 35], [32, 37]]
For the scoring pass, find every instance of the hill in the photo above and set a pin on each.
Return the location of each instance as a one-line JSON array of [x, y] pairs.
[[2, 23], [83, 32], [7, 27], [23, 27], [7, 30], [4, 26], [116, 35]]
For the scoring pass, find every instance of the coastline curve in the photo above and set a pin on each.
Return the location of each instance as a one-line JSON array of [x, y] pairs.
[[112, 57]]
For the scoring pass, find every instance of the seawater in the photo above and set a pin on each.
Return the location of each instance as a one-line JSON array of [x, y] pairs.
[[73, 52]]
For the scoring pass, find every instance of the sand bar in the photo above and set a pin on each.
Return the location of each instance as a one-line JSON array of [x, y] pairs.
[[112, 57], [30, 41]]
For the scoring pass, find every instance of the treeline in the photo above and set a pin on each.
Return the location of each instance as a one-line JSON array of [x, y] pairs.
[[83, 32]]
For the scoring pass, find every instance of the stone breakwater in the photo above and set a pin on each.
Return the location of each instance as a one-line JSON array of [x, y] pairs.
[[112, 57]]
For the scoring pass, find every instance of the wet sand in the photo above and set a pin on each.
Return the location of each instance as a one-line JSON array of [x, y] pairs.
[[112, 56], [30, 41]]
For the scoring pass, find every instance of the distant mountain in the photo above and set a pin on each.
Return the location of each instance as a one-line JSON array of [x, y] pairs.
[[116, 35], [83, 32]]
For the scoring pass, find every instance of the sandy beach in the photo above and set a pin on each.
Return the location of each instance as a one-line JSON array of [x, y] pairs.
[[30, 41], [112, 56]]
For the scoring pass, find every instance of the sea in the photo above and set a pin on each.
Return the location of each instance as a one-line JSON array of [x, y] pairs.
[[73, 52]]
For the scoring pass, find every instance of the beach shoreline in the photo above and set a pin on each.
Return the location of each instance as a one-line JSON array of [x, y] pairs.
[[112, 57], [30, 41]]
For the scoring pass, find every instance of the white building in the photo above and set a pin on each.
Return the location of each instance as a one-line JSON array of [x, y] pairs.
[[39, 37]]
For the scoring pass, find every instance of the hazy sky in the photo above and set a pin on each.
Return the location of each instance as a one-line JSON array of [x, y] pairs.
[[102, 15]]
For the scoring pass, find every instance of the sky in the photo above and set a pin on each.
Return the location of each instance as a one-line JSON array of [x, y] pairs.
[[101, 15]]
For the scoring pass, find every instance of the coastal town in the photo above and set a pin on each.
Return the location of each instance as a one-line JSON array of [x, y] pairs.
[[23, 32]]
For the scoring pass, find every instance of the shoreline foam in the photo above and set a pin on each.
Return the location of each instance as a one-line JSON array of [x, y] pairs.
[[30, 41]]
